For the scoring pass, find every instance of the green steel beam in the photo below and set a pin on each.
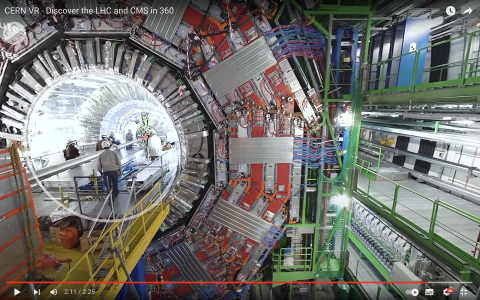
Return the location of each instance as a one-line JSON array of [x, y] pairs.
[[364, 251], [315, 247], [326, 117], [301, 225], [338, 221], [366, 41], [291, 276], [314, 23], [428, 95], [280, 11], [436, 246]]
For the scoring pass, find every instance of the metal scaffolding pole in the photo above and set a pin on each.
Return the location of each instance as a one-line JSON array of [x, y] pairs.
[[124, 267]]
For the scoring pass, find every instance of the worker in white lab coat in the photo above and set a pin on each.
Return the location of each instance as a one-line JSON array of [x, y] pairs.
[[154, 145]]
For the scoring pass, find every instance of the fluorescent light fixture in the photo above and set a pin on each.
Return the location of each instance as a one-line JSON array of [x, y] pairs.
[[447, 118], [345, 119], [464, 122], [342, 201], [394, 116]]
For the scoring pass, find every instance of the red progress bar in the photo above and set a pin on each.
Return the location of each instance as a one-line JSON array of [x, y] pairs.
[[216, 282]]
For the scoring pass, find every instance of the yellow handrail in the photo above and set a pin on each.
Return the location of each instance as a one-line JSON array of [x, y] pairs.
[[159, 211]]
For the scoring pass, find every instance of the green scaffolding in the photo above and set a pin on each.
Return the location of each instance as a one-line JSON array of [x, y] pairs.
[[333, 221]]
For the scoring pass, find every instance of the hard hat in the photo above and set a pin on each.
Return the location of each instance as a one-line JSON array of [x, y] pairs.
[[111, 133], [106, 144], [129, 130], [70, 141], [104, 136]]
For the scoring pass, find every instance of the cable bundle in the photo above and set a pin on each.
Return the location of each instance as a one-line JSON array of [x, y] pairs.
[[313, 153], [297, 40], [273, 236]]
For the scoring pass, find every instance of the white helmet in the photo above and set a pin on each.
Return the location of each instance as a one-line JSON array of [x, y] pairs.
[[71, 141], [106, 144]]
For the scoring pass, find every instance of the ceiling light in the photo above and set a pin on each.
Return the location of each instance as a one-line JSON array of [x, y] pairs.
[[447, 118], [345, 119], [464, 122], [394, 116], [342, 201]]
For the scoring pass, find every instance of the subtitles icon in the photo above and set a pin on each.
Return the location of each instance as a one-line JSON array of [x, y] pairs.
[[429, 292]]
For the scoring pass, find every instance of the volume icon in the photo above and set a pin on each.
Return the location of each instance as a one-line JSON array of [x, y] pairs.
[[53, 292]]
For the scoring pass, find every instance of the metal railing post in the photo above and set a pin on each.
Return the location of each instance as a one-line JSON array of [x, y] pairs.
[[433, 219], [414, 71], [143, 219], [382, 78], [125, 269], [379, 159], [395, 199], [356, 270], [467, 57], [379, 290]]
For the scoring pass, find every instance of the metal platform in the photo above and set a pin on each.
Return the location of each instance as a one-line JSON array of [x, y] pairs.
[[419, 210], [45, 208], [65, 179]]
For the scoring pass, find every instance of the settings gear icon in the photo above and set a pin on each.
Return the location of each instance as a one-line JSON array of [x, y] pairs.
[[448, 291]]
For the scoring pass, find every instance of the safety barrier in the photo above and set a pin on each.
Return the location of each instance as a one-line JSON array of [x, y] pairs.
[[294, 259], [435, 231], [468, 66], [152, 212], [18, 220]]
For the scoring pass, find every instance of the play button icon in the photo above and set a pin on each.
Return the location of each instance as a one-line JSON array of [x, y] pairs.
[[16, 292]]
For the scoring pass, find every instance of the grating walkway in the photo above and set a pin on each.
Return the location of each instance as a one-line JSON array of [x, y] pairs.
[[419, 210]]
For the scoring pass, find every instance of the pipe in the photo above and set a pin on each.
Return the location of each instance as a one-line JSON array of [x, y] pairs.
[[471, 171], [33, 292], [446, 138], [69, 164]]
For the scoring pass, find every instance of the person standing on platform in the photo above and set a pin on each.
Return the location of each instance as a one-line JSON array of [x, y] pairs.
[[71, 151], [129, 138], [113, 139], [110, 166], [154, 145], [98, 146]]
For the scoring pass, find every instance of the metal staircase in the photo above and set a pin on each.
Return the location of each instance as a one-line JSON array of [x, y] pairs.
[[113, 255]]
